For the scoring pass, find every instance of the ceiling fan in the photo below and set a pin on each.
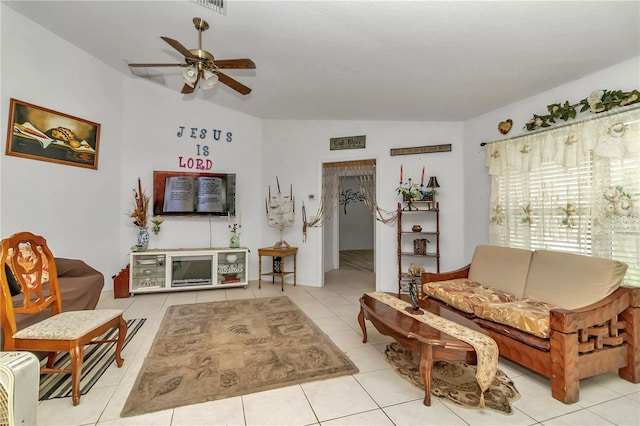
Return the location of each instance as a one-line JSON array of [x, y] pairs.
[[202, 66]]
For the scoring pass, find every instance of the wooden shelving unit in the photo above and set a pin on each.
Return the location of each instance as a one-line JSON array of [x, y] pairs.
[[426, 215]]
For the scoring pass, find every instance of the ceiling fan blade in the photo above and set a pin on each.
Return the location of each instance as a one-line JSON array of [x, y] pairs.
[[186, 89], [157, 65], [179, 47], [235, 63], [234, 84]]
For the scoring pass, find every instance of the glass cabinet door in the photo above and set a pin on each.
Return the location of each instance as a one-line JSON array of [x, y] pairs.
[[191, 270], [148, 271], [232, 267]]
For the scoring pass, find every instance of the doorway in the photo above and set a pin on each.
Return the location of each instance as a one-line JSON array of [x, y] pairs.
[[355, 228], [348, 235]]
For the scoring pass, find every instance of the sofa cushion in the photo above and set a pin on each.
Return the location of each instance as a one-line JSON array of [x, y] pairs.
[[528, 315], [502, 268], [464, 294], [572, 281]]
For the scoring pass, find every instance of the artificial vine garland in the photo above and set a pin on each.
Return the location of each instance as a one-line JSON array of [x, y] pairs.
[[597, 101]]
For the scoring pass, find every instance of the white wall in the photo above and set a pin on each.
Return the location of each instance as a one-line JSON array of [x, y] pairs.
[[297, 150], [76, 209], [154, 117], [82, 212], [624, 76]]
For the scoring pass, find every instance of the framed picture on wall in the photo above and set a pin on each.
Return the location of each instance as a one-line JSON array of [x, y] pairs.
[[43, 134]]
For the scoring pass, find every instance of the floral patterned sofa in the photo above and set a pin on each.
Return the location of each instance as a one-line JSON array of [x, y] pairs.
[[562, 315]]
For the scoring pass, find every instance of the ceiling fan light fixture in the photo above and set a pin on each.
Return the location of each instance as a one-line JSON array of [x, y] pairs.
[[190, 75], [209, 81]]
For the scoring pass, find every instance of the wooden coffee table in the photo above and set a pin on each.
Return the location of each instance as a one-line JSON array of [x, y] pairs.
[[431, 344]]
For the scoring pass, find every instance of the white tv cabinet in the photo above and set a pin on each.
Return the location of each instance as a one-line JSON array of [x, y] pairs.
[[159, 270]]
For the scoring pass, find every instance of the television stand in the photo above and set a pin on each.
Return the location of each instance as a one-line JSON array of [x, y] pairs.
[[161, 270]]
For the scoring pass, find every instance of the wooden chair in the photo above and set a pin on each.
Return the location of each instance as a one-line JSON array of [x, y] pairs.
[[31, 264]]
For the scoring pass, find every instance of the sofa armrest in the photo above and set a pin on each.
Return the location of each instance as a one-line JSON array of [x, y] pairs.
[[427, 277], [570, 321]]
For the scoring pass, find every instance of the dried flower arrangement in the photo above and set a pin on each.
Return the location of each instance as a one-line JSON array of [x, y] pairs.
[[141, 205]]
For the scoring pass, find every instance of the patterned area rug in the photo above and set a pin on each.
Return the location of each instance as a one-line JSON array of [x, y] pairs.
[[97, 358], [454, 381], [209, 351]]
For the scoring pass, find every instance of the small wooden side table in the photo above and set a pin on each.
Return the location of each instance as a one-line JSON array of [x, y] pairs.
[[281, 253]]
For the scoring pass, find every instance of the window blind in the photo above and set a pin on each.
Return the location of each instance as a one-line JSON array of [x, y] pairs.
[[575, 189]]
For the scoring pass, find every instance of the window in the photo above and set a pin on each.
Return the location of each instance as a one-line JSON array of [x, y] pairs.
[[574, 188]]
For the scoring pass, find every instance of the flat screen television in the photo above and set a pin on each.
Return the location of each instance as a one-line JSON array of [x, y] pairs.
[[194, 193]]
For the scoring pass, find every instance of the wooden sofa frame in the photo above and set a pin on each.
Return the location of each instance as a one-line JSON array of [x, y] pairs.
[[585, 342]]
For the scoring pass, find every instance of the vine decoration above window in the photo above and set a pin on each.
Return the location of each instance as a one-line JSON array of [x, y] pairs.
[[597, 101]]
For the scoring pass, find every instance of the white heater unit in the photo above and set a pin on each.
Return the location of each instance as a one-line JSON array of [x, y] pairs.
[[19, 386]]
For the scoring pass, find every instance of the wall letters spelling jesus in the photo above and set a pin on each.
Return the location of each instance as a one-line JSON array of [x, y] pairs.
[[202, 150]]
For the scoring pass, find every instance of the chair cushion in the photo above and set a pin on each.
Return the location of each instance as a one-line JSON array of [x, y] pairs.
[[572, 281], [502, 268], [68, 325], [464, 294], [528, 315]]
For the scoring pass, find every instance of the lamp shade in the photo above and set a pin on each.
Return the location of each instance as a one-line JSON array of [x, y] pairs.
[[210, 79], [433, 182], [190, 75]]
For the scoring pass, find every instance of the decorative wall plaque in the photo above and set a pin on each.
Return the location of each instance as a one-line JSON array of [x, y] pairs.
[[421, 149], [347, 142]]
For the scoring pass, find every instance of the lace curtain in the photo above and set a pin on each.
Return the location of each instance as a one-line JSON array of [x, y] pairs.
[[332, 174], [573, 188]]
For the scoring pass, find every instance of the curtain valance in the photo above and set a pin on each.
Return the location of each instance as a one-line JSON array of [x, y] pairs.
[[615, 135]]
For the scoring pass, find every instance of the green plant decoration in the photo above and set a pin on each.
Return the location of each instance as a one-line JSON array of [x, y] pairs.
[[598, 101]]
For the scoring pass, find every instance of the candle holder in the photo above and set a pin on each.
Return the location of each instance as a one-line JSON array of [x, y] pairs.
[[280, 210]]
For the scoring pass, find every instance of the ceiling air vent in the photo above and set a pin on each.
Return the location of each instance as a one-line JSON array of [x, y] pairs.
[[216, 5], [156, 78]]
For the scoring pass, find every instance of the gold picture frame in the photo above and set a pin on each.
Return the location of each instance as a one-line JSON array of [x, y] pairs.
[[46, 135]]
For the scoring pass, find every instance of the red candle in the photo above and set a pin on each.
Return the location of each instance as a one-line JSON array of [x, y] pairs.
[[400, 172], [422, 179]]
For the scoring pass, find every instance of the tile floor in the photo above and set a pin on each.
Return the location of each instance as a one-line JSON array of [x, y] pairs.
[[374, 396]]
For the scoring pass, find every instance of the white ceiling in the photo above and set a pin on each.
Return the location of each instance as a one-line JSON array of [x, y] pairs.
[[362, 60]]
